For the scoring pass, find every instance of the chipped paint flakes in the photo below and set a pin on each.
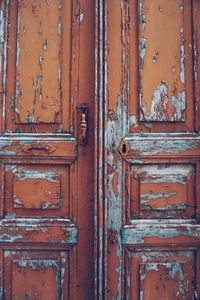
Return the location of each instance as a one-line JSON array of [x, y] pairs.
[[45, 45], [142, 50], [181, 8], [159, 66], [81, 16], [164, 173], [163, 145], [38, 264], [160, 8], [182, 64], [10, 238], [2, 24], [142, 16], [195, 62], [18, 43], [27, 174], [151, 267], [159, 104], [132, 120], [43, 21], [140, 233], [168, 271], [155, 57], [146, 198], [179, 106], [59, 25]]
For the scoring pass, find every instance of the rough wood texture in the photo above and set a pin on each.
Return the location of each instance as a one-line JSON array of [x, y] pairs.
[[161, 46], [39, 66], [152, 192], [40, 269], [161, 274], [46, 190], [164, 52]]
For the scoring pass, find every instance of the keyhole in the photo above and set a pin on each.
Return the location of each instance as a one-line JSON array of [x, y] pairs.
[[124, 148]]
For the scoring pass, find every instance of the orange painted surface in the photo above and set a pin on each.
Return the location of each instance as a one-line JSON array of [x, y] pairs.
[[39, 53], [152, 150], [145, 107], [46, 196]]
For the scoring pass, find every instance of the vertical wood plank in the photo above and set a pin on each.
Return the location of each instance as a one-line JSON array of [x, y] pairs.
[[1, 274], [196, 60]]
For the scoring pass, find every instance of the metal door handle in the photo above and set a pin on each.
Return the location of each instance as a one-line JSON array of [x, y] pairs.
[[38, 147], [83, 130], [83, 124]]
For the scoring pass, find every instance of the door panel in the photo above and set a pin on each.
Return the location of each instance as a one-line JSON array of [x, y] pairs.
[[163, 274], [38, 72], [162, 191], [152, 150], [46, 210], [163, 98], [21, 271], [161, 44]]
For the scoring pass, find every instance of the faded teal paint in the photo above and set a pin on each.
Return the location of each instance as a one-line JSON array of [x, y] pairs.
[[38, 264], [138, 233], [22, 174]]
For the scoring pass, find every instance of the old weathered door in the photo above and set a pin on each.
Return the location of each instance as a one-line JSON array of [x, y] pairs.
[[152, 150], [46, 94]]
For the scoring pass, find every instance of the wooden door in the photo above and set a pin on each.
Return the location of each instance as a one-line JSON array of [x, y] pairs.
[[152, 150], [46, 190]]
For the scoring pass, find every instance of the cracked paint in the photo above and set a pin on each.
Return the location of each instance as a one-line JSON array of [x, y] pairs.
[[159, 103], [179, 106], [158, 96], [150, 107], [35, 104], [43, 55]]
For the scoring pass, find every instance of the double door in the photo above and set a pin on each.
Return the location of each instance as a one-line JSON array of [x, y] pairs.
[[99, 149]]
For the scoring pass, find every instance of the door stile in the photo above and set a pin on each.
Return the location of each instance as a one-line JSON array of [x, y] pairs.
[[1, 274], [115, 72], [3, 59], [196, 62], [99, 152], [83, 92]]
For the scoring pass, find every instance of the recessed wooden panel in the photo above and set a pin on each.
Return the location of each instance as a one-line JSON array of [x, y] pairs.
[[148, 147], [35, 275], [39, 70], [60, 146], [165, 191], [38, 231], [36, 100], [37, 190], [163, 98], [161, 43], [162, 275]]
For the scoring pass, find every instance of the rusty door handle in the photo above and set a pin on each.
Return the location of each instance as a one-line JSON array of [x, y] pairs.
[[30, 149], [83, 131], [83, 124]]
